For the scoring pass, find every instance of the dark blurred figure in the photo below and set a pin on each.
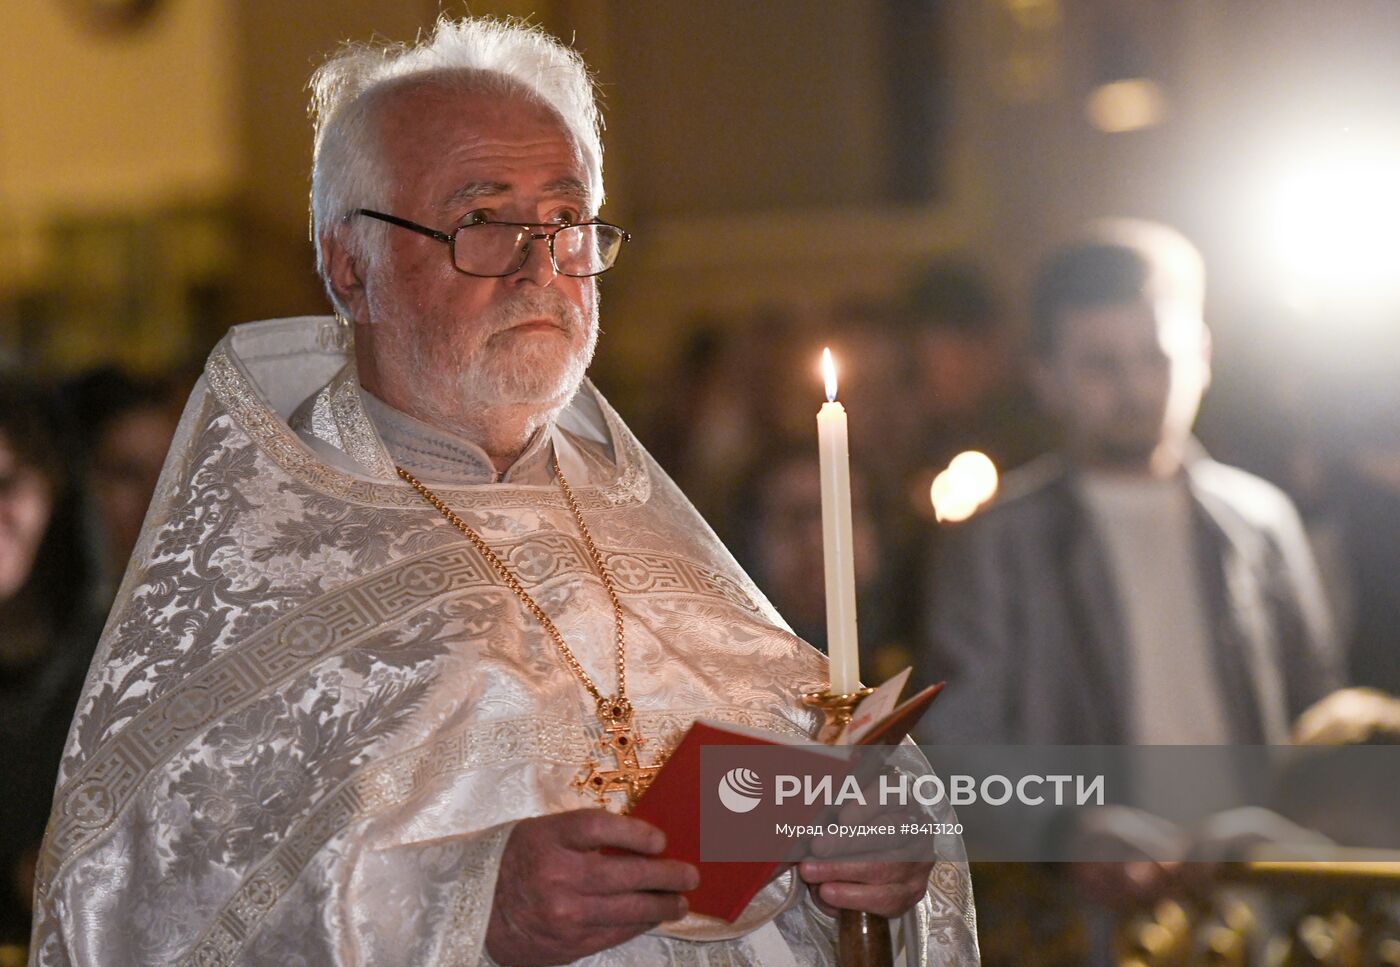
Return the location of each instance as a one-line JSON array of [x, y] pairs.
[[969, 389], [1128, 590], [778, 523], [948, 382], [738, 388], [877, 374], [48, 628], [1371, 503], [1349, 487], [125, 425], [695, 373]]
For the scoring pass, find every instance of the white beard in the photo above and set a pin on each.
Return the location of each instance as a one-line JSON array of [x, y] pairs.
[[538, 370], [497, 369]]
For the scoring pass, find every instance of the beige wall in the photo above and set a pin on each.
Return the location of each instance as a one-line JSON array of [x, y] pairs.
[[207, 103], [102, 122]]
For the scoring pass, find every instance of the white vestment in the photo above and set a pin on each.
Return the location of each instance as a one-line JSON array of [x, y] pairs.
[[316, 712]]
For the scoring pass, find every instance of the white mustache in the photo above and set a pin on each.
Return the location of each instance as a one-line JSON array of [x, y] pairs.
[[532, 304]]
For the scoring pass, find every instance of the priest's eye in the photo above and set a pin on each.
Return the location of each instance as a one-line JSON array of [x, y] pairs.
[[475, 218]]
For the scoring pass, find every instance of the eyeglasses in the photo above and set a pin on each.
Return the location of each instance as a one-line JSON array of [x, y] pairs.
[[494, 250]]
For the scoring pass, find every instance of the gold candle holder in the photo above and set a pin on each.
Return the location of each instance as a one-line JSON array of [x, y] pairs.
[[836, 708], [863, 939]]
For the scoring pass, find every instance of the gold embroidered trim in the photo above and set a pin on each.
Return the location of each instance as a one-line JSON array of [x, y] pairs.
[[465, 942], [234, 390], [356, 434], [323, 425]]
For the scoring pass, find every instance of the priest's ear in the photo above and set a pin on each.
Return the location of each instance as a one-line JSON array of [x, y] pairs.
[[344, 273]]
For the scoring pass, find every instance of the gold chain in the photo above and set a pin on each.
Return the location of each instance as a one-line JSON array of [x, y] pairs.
[[608, 709]]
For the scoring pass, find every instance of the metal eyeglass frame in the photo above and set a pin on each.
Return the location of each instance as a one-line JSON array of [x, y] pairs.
[[450, 240]]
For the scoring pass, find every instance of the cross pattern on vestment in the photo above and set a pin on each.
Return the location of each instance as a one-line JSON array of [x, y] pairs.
[[304, 637], [628, 570], [90, 804], [187, 708], [420, 581], [629, 776], [260, 893]]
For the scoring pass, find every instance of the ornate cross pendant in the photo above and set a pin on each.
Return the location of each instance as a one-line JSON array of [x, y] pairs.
[[622, 742]]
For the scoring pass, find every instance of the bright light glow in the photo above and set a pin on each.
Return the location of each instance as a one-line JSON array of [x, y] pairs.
[[968, 483], [1333, 223], [978, 470], [829, 374], [1126, 105]]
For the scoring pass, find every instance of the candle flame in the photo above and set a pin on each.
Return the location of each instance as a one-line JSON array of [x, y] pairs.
[[829, 372]]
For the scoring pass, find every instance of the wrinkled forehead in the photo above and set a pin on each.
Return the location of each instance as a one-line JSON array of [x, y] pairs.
[[417, 108]]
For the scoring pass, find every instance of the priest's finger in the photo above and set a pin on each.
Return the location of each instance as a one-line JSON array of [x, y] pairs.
[[886, 900], [838, 871], [626, 874], [590, 829], [642, 909]]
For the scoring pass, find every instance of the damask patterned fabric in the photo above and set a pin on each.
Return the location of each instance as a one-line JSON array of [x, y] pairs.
[[315, 712]]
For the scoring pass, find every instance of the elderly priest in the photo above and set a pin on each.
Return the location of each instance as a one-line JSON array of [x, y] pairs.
[[413, 612]]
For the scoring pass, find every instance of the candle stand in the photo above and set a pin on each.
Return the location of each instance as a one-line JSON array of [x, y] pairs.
[[863, 939]]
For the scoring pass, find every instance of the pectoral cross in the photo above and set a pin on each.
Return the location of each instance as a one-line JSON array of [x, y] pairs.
[[622, 742]]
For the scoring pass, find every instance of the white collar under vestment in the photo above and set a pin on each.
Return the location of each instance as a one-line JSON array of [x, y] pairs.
[[347, 424]]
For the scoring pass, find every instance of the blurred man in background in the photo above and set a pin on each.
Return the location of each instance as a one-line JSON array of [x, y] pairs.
[[125, 424], [1128, 589]]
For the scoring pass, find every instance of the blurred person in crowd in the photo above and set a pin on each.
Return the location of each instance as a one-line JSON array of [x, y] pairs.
[[1128, 589], [948, 340], [1125, 589], [1333, 443], [875, 369], [778, 519], [1351, 485], [689, 379], [48, 627], [126, 424], [970, 393], [415, 615], [736, 390], [1371, 511]]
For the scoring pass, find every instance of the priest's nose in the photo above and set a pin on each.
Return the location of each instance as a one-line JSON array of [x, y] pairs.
[[539, 263]]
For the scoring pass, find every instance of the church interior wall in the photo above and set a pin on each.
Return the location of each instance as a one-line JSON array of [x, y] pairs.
[[153, 180]]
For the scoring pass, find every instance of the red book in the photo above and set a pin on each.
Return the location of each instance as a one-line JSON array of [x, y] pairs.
[[673, 801]]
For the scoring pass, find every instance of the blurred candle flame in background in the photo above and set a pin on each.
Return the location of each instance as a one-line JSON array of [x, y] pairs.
[[969, 481]]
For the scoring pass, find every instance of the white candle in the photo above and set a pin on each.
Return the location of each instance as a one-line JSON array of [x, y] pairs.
[[841, 644]]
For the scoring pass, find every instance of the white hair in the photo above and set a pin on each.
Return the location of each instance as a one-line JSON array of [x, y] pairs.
[[500, 56]]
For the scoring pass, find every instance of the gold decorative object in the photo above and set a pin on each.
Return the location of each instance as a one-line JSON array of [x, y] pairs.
[[863, 939], [629, 776], [1339, 913], [619, 738], [837, 709]]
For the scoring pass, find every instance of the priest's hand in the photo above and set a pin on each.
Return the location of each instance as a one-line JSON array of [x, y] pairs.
[[559, 898], [889, 889], [869, 874]]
